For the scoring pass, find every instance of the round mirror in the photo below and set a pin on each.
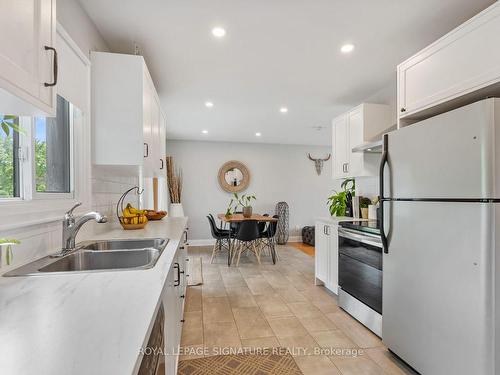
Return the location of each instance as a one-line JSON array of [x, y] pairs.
[[234, 176]]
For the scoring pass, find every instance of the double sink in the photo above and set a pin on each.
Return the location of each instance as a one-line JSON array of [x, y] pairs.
[[94, 256]]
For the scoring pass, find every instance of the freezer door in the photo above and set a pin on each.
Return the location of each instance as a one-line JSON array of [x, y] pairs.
[[448, 156], [438, 290]]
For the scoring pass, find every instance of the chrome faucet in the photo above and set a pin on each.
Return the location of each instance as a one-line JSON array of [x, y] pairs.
[[71, 226]]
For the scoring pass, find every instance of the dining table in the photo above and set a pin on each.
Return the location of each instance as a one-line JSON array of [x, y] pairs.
[[238, 218]]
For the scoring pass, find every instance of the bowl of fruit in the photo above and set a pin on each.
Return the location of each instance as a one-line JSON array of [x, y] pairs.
[[155, 215], [130, 217]]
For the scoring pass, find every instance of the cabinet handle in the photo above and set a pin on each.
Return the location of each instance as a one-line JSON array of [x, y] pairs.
[[162, 164], [346, 167], [55, 67], [178, 268], [185, 236], [147, 150], [403, 109]]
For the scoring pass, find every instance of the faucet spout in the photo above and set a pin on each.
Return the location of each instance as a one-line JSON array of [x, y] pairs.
[[72, 226]]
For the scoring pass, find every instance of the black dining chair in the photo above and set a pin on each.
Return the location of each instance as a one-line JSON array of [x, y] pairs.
[[268, 238], [262, 225], [246, 237], [221, 237]]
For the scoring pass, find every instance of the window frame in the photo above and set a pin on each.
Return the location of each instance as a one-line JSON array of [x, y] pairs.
[[33, 208]]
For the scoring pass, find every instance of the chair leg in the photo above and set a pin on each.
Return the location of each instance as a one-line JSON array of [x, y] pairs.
[[214, 251], [236, 247], [257, 255], [240, 250]]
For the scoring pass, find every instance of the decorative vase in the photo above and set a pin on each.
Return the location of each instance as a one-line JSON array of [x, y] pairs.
[[282, 230], [247, 212], [176, 210]]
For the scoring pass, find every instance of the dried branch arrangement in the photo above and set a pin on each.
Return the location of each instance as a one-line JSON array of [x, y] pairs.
[[174, 180]]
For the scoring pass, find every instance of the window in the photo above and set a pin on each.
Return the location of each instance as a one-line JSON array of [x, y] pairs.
[[50, 142], [53, 150], [9, 157]]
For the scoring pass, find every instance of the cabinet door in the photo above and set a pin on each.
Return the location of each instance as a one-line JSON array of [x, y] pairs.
[[340, 147], [333, 261], [170, 299], [25, 65], [461, 62], [321, 252], [163, 145], [355, 127], [147, 127], [156, 163]]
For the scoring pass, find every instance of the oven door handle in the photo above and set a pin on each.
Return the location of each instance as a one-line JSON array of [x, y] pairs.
[[363, 238]]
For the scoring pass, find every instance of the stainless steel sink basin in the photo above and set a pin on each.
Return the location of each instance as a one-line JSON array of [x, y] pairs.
[[108, 260], [143, 243], [99, 256]]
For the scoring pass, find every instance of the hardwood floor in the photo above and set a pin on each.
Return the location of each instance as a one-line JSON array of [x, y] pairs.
[[252, 307], [305, 248]]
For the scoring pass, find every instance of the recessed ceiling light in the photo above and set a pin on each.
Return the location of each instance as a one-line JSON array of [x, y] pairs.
[[218, 32], [209, 104], [204, 131], [283, 109], [258, 134], [347, 48]]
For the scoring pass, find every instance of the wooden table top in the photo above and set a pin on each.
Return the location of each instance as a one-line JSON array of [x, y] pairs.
[[235, 218]]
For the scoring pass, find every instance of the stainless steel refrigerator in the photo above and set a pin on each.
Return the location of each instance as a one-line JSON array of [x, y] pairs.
[[440, 184]]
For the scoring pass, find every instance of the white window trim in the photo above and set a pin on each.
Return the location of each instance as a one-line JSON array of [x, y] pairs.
[[32, 210]]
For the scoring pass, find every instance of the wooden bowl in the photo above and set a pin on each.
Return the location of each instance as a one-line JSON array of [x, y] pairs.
[[156, 215], [133, 226]]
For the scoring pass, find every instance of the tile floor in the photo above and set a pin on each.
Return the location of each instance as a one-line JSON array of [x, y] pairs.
[[272, 306]]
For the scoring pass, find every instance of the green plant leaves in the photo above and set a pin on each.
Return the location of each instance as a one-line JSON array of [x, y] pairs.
[[337, 203]]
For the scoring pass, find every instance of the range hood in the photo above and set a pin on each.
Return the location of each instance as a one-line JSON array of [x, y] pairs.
[[374, 147], [369, 147]]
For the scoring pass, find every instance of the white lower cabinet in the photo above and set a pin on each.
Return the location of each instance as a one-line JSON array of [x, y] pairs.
[[173, 300], [327, 255]]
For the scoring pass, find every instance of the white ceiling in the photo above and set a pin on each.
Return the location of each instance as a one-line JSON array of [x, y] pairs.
[[276, 53]]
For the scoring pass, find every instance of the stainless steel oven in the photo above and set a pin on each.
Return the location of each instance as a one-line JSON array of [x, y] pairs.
[[360, 275]]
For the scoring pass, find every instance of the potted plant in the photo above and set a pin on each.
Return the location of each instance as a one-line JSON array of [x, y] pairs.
[[8, 252], [339, 202], [174, 181], [244, 201], [229, 210], [364, 202]]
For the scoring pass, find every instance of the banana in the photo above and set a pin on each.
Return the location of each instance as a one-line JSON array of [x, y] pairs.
[[134, 210]]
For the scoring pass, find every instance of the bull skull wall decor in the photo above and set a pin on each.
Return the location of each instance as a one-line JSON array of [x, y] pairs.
[[318, 163]]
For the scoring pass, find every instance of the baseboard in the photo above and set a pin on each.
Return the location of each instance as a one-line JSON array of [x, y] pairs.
[[211, 241]]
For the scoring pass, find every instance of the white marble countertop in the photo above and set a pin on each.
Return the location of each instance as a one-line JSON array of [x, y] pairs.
[[84, 323]]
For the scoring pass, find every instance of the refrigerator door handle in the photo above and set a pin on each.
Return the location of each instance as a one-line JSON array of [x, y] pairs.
[[383, 162]]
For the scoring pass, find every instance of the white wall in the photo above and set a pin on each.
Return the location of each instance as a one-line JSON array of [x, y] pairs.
[[78, 24], [278, 173]]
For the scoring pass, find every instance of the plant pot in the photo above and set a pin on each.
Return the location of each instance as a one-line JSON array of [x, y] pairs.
[[247, 212], [176, 210], [364, 212]]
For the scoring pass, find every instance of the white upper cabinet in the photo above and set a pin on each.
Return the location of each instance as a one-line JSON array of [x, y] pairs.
[[461, 67], [128, 121], [352, 129], [28, 58]]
